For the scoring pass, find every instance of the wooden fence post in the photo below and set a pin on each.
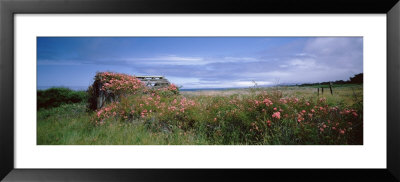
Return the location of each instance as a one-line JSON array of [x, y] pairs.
[[330, 87], [318, 91], [322, 91]]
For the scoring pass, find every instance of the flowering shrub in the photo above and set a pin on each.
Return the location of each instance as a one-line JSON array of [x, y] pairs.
[[112, 86], [172, 89], [136, 108], [252, 119], [106, 113], [257, 118], [119, 83]]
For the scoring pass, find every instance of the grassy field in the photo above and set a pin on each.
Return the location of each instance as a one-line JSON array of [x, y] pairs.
[[254, 116]]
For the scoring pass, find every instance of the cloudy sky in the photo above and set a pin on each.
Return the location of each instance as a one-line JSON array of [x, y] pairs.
[[200, 62]]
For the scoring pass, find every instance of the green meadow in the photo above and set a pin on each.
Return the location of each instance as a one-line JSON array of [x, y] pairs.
[[289, 115]]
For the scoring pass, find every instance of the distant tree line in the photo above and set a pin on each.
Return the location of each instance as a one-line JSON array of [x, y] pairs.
[[356, 79]]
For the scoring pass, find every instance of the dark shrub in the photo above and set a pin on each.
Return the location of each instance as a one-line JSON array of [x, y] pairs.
[[54, 97]]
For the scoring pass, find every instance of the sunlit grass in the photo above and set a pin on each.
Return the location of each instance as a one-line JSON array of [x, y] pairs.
[[212, 120]]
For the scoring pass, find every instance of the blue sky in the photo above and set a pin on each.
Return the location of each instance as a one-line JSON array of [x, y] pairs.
[[200, 62]]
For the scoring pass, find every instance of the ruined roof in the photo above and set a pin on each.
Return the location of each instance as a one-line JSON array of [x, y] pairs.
[[154, 81]]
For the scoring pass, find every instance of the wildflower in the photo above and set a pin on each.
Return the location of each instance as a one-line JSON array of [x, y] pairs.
[[215, 119], [321, 129], [333, 128], [98, 113], [324, 126], [274, 108], [341, 131], [300, 118], [268, 122], [346, 111], [267, 102], [303, 111], [276, 115]]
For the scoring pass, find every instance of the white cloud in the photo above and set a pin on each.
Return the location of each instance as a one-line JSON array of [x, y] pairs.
[[180, 81], [225, 84], [307, 60], [267, 74], [171, 58], [334, 46], [251, 83], [303, 63], [314, 60], [168, 60], [304, 55], [240, 59], [182, 60]]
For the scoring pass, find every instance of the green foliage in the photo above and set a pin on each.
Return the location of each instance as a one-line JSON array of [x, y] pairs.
[[262, 117], [55, 97], [358, 78], [69, 125]]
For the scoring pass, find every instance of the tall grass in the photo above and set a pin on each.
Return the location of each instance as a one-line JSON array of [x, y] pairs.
[[247, 117], [69, 124]]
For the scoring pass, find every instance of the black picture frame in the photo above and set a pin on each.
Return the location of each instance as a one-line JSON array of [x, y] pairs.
[[8, 8]]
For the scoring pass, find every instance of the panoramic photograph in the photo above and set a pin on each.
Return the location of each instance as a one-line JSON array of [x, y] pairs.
[[199, 91]]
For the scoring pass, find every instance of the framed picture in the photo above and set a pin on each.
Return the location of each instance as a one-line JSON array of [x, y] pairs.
[[191, 89]]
